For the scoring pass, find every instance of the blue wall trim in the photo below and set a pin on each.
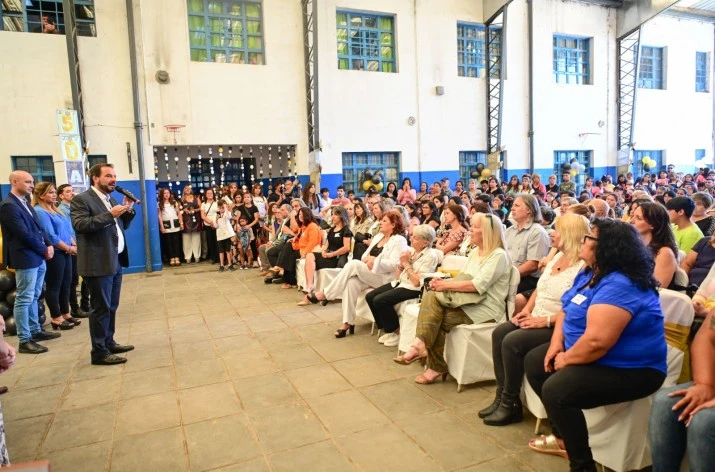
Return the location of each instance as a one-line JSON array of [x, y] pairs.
[[135, 234]]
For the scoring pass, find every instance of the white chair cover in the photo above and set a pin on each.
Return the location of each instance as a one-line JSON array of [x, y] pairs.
[[323, 277], [681, 278], [468, 348]]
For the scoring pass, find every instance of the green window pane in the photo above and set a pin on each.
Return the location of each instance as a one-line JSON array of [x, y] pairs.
[[235, 41], [255, 42], [253, 27], [255, 58], [358, 64], [356, 21], [341, 19], [373, 66], [196, 6], [386, 24], [218, 40], [343, 64], [218, 56], [388, 67], [199, 55], [342, 34], [386, 52], [234, 10], [387, 39], [236, 26], [196, 23], [197, 39], [216, 24], [216, 7], [253, 10], [342, 48], [237, 57]]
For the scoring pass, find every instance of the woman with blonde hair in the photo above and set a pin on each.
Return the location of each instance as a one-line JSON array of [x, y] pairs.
[[59, 269], [533, 325], [476, 295]]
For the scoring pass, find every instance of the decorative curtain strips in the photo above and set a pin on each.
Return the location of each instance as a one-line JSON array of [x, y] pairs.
[[211, 163], [176, 166], [156, 167], [188, 167], [168, 170], [280, 162], [222, 167]]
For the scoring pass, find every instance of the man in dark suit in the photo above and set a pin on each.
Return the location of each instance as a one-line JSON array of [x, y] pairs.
[[99, 222], [26, 247]]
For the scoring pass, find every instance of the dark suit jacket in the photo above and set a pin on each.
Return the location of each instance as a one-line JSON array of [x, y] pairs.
[[97, 239], [24, 241]]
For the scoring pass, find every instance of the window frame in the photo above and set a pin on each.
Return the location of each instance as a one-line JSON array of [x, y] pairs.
[[226, 35], [358, 168], [657, 68], [468, 161], [582, 49], [702, 69], [83, 25], [41, 162], [348, 41], [655, 154], [479, 54], [583, 156]]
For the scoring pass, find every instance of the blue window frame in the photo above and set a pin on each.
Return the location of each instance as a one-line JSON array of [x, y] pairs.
[[471, 50], [226, 31], [32, 16], [699, 154], [41, 168], [572, 60], [356, 163], [582, 157], [638, 156], [701, 72], [468, 161], [651, 68], [366, 41]]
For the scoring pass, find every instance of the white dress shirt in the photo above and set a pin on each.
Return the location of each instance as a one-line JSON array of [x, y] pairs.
[[108, 204]]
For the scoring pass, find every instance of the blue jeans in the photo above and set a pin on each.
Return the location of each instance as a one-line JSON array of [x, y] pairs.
[[669, 437], [28, 290]]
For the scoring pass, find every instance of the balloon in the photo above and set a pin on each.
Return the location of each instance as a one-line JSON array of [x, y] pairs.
[[42, 318], [379, 187], [376, 179], [10, 298], [646, 168], [486, 173], [566, 167], [40, 307], [574, 161], [7, 281], [653, 163], [474, 174], [5, 309], [368, 174], [480, 168], [44, 289], [366, 185], [573, 172], [10, 328], [645, 159]]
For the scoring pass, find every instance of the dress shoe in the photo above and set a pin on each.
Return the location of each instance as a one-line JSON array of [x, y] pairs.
[[31, 347], [43, 335], [109, 360], [118, 349], [80, 314], [506, 414], [493, 407], [3, 390]]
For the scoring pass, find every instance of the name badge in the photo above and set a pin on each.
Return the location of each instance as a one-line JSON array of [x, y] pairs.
[[578, 299]]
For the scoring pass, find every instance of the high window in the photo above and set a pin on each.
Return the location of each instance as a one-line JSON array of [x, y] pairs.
[[94, 159], [41, 168], [366, 42], [46, 16], [699, 154], [356, 163], [472, 50], [701, 72], [638, 156], [468, 161], [565, 157], [572, 63], [651, 68], [226, 31]]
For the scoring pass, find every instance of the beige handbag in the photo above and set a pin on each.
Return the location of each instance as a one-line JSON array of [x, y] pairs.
[[454, 299]]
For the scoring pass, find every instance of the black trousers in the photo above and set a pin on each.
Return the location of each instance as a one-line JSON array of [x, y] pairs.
[[382, 301], [510, 345], [212, 243], [58, 279], [273, 252], [84, 296], [574, 388], [173, 245], [286, 261], [104, 296], [527, 284], [74, 305]]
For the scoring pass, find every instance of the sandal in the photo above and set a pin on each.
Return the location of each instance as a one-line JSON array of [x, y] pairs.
[[420, 355], [287, 286], [424, 380], [547, 445]]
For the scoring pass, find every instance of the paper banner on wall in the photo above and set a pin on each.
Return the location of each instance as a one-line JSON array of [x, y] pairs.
[[67, 122], [71, 148], [76, 175]]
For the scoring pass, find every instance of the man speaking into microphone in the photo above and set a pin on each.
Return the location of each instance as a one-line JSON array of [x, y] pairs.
[[99, 222]]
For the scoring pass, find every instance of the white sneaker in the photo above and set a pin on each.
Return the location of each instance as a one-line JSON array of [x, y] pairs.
[[392, 340], [382, 338]]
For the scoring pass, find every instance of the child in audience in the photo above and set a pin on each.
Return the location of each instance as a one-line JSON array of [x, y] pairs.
[[224, 233], [243, 236]]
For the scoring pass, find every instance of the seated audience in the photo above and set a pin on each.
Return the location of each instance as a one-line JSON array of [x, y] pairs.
[[682, 418], [335, 249], [455, 229], [307, 238], [608, 344], [406, 194], [699, 260], [362, 219], [704, 298], [483, 285], [415, 262], [651, 222], [376, 268], [687, 233], [705, 222], [533, 325], [429, 215], [363, 239], [424, 194]]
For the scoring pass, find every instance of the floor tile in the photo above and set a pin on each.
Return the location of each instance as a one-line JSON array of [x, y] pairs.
[[337, 349], [400, 400], [89, 458], [157, 451], [193, 351], [265, 390], [133, 417], [346, 412], [317, 380], [145, 358], [254, 465], [239, 344], [92, 392], [209, 401], [505, 463], [62, 354], [18, 404], [362, 371], [277, 426], [79, 427], [42, 376], [296, 357], [219, 442], [194, 374], [148, 382], [278, 340], [249, 364], [265, 323], [24, 436], [318, 457], [300, 318]]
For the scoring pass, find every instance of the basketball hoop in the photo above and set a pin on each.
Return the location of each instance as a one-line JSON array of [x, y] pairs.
[[174, 129]]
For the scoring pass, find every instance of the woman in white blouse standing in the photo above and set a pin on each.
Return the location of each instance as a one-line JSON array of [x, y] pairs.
[[533, 325], [170, 225]]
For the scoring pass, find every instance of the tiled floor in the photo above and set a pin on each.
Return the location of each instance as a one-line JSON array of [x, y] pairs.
[[230, 375]]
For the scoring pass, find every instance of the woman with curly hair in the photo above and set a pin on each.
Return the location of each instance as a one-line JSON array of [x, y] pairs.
[[653, 225], [608, 344]]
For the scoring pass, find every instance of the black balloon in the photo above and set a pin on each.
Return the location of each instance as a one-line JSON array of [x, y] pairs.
[[480, 168], [7, 281], [474, 174], [42, 294], [10, 328], [368, 174], [43, 319], [5, 309], [646, 168], [566, 166], [40, 307], [376, 179], [10, 298]]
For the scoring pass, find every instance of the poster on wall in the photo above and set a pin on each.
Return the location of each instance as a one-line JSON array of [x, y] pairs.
[[76, 175], [71, 148]]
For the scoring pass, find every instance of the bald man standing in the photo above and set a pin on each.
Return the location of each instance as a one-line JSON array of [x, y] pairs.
[[26, 247]]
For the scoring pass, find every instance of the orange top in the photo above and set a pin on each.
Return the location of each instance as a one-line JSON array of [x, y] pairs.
[[307, 239]]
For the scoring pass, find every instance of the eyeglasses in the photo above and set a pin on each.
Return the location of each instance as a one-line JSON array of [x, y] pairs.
[[588, 236]]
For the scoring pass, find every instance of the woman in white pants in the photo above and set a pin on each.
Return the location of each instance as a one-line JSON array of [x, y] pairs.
[[191, 216], [376, 268]]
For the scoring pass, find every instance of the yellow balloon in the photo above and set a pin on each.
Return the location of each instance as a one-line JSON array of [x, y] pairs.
[[573, 172], [645, 159], [486, 173], [379, 187], [653, 163], [366, 185]]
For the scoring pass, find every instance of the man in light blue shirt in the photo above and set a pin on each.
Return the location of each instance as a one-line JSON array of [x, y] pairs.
[[65, 193]]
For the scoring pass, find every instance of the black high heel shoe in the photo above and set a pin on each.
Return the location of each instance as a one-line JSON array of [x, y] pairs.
[[341, 333], [313, 299], [64, 325], [73, 320]]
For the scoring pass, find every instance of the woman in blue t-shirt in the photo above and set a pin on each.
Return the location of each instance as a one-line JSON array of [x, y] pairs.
[[608, 344]]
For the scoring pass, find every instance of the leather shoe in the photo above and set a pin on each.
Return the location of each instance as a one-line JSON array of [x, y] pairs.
[[80, 314], [43, 335], [118, 349], [31, 347], [3, 390], [109, 360]]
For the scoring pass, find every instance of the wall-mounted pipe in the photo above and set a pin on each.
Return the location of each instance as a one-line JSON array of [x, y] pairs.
[[532, 159]]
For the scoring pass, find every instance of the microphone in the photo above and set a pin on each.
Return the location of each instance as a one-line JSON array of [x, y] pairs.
[[127, 194]]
